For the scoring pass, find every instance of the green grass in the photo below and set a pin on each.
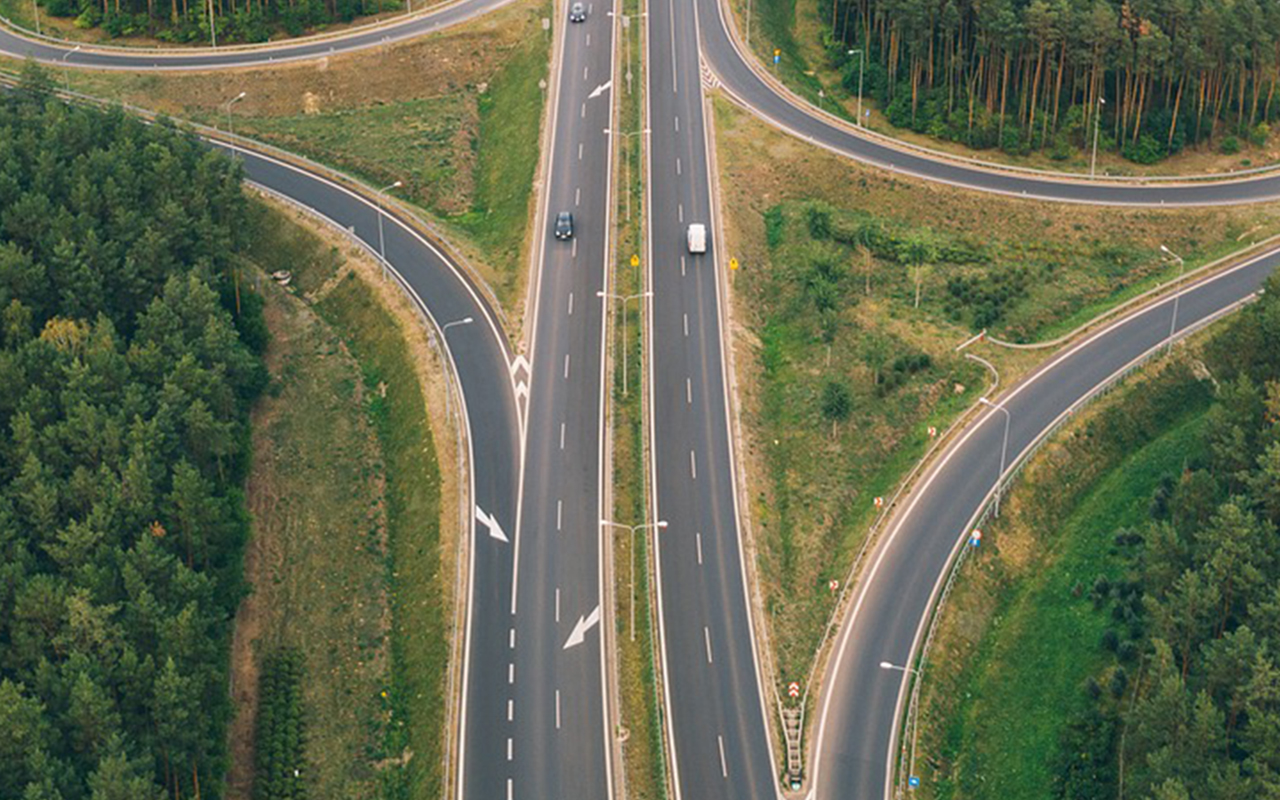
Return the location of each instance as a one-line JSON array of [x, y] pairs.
[[507, 158], [1027, 679], [420, 644], [412, 141]]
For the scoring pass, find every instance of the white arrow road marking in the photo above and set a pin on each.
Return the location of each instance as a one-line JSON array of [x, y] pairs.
[[580, 630], [495, 530], [599, 90], [518, 366]]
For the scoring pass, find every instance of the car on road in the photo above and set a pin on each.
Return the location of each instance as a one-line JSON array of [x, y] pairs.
[[564, 225], [578, 12], [697, 238]]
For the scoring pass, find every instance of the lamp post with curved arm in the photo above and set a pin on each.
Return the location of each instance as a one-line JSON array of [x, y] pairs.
[[659, 525]]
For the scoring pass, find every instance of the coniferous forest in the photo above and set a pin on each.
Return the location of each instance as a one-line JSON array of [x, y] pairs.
[[189, 20], [128, 361], [1034, 75]]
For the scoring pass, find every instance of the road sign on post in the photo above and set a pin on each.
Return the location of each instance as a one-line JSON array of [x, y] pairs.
[[733, 263], [793, 689], [777, 56], [635, 260], [833, 585], [975, 538], [879, 502]]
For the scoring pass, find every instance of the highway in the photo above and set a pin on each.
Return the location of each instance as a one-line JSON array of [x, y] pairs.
[[535, 717], [551, 737], [715, 714]]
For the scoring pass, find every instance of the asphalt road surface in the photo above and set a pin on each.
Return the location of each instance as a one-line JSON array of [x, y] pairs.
[[715, 714], [537, 725]]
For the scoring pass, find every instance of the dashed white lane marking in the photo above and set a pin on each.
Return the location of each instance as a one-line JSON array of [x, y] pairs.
[[686, 316], [588, 40], [584, 73], [557, 605], [680, 209], [509, 746], [510, 789], [577, 196], [688, 390], [682, 266], [671, 5], [698, 539], [566, 365], [571, 304], [559, 508], [511, 640], [706, 637], [557, 709], [579, 151], [678, 170], [583, 115], [573, 250], [724, 767], [693, 465], [677, 124], [511, 710], [561, 435], [511, 673]]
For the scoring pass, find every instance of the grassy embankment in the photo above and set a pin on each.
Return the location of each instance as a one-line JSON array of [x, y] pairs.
[[796, 27], [638, 689], [805, 322], [455, 116], [349, 562], [1020, 636]]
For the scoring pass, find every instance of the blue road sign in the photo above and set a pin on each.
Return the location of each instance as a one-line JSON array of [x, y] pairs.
[[913, 781]]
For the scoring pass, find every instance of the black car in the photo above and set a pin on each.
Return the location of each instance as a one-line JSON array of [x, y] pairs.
[[564, 225], [578, 12]]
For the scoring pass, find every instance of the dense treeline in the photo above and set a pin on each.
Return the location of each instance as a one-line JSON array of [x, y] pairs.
[[281, 729], [1190, 706], [1030, 75], [129, 361], [233, 20]]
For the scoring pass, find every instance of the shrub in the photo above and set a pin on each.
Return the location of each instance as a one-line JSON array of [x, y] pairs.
[[1230, 146], [774, 222], [819, 223]]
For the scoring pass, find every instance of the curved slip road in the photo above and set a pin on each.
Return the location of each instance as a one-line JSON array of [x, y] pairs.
[[862, 704], [478, 353], [740, 79], [52, 52]]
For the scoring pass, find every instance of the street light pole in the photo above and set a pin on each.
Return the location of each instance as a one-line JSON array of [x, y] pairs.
[[1182, 268], [1097, 126], [625, 299], [659, 525], [382, 244], [444, 331], [66, 70], [891, 665], [862, 62], [1004, 448]]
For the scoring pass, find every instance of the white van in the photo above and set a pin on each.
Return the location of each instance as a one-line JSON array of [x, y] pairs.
[[697, 238]]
